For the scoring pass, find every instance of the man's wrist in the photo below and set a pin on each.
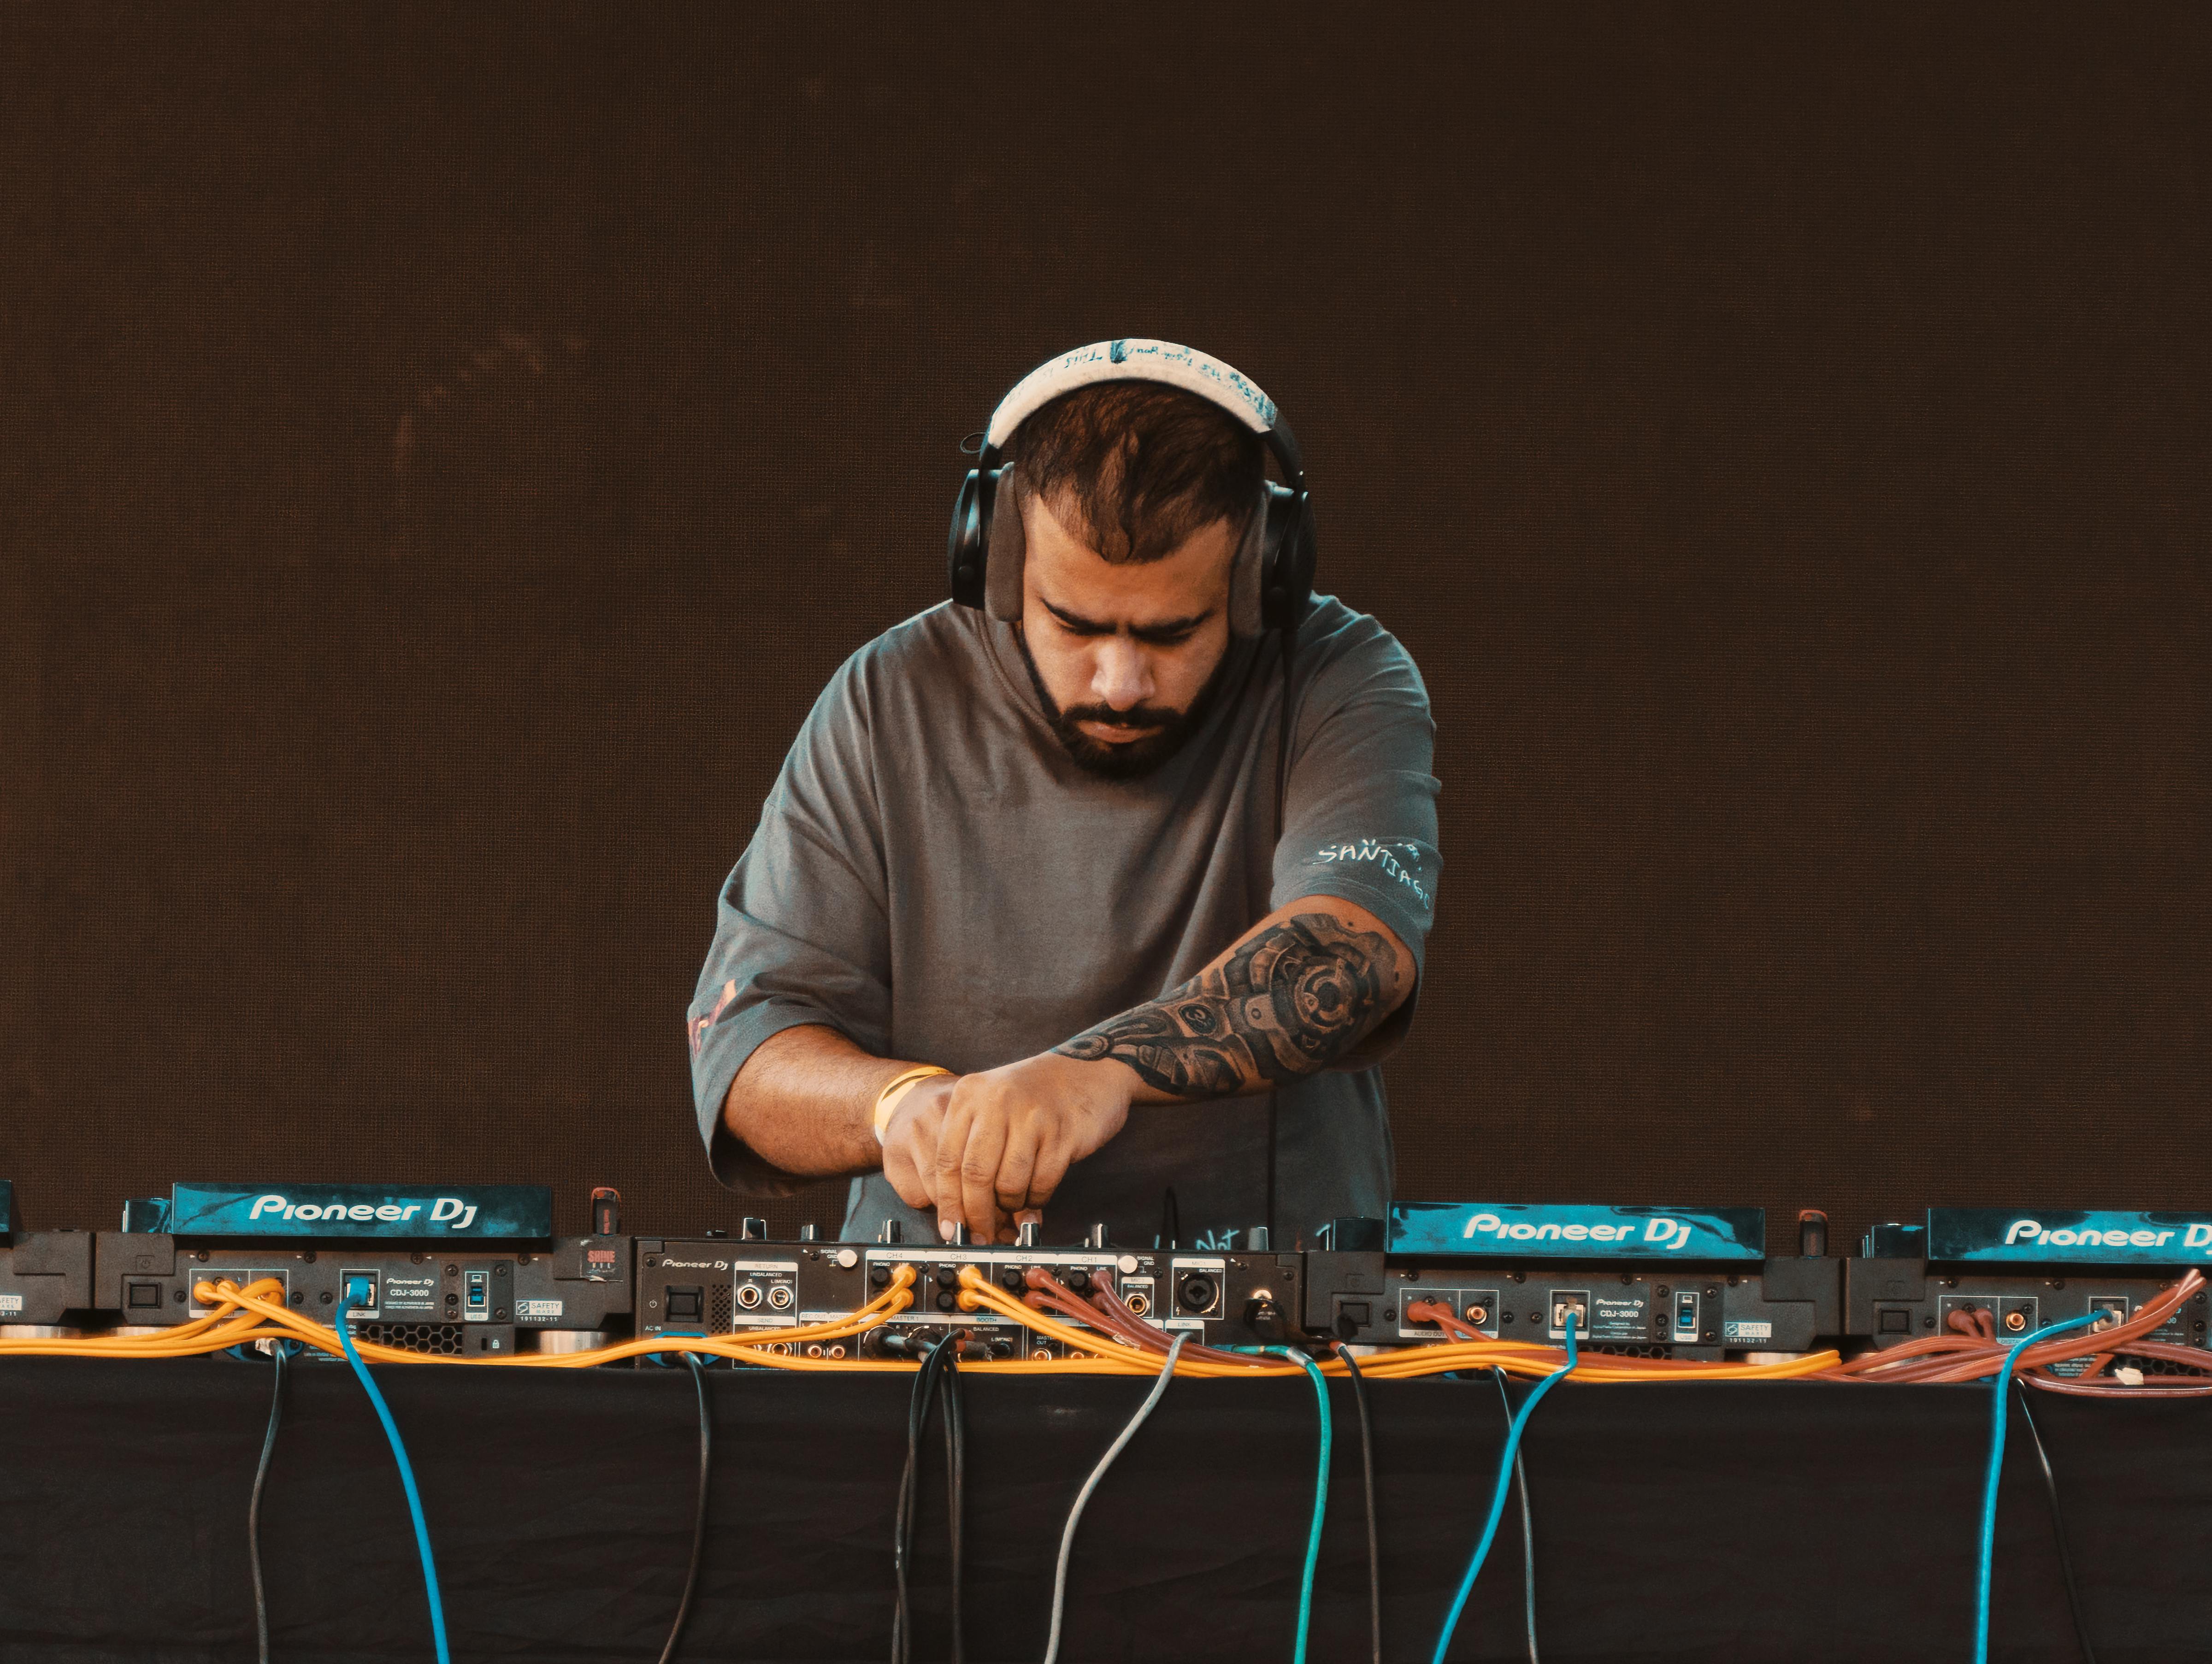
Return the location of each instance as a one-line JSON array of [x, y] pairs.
[[1114, 1071], [894, 1091]]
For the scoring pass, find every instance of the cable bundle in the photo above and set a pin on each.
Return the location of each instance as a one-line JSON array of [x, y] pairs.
[[1972, 1351], [1120, 1342], [939, 1368], [243, 1317]]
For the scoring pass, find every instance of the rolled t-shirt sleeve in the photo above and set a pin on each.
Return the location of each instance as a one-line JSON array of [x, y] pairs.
[[801, 931], [1360, 815]]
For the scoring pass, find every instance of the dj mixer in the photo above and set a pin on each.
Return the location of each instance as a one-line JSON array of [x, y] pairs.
[[713, 1286]]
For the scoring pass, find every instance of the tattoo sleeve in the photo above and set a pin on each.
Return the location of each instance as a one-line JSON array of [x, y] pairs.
[[1289, 1002]]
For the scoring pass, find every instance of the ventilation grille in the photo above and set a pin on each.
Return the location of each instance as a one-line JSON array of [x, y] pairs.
[[1613, 1350], [2162, 1366], [719, 1299], [434, 1339]]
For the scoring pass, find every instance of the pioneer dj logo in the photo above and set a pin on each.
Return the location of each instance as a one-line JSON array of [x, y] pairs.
[[1659, 1231], [447, 1210], [2033, 1234]]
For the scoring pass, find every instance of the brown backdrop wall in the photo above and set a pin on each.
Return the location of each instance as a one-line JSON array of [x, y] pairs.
[[441, 465]]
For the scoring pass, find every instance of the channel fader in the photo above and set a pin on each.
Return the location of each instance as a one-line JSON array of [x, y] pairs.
[[453, 1271]]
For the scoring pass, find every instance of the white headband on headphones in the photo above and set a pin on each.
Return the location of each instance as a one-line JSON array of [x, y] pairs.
[[1132, 361]]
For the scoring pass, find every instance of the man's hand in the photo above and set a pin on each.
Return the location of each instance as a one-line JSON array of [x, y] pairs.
[[910, 1140], [999, 1142]]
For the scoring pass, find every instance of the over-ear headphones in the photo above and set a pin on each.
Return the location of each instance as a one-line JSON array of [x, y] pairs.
[[1271, 579]]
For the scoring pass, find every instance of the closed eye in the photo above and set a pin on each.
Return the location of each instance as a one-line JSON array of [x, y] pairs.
[[1171, 634]]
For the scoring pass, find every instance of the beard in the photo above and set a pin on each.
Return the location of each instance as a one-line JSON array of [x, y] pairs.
[[1130, 759]]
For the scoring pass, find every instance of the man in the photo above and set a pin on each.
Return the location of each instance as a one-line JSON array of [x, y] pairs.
[[1038, 851]]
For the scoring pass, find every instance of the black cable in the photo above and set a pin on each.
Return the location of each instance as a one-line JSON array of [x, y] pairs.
[[1171, 1221], [1367, 1477], [699, 1513], [1528, 1523], [1274, 1117], [279, 1350], [2057, 1526], [925, 1388], [1282, 816], [956, 1470]]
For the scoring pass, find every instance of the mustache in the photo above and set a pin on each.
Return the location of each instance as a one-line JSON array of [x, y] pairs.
[[1136, 716]]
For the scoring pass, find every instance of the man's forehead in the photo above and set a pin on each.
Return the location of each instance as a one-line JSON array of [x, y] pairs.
[[1074, 580]]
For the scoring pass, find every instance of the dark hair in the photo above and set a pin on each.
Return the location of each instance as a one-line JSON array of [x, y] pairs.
[[1143, 466]]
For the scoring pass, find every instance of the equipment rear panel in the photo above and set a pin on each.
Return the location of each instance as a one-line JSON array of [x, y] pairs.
[[718, 1287], [1685, 1311], [45, 1279], [1891, 1300], [453, 1302]]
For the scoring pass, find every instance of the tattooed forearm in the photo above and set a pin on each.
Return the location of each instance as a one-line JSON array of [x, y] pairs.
[[1290, 1001]]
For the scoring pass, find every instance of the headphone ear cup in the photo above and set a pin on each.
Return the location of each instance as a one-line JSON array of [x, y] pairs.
[[1009, 552], [1247, 616], [1289, 582], [1286, 568], [964, 546]]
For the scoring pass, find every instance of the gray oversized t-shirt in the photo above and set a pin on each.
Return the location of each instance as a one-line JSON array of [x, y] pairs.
[[936, 878]]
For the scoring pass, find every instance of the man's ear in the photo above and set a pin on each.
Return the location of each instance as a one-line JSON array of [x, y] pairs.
[[1009, 552]]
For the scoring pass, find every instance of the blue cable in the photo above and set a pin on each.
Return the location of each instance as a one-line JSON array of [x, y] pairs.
[[1505, 1482], [347, 1302], [1997, 1468], [1321, 1485]]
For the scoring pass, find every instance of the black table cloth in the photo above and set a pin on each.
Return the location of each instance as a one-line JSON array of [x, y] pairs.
[[1793, 1522]]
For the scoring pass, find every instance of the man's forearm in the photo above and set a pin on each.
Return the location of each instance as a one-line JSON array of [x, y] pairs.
[[1289, 999], [805, 1102]]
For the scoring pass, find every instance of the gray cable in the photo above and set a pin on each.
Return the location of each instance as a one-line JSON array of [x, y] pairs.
[[1528, 1526], [1075, 1513], [279, 1351], [699, 1509]]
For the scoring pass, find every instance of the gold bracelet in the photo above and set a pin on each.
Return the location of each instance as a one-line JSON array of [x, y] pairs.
[[896, 1088]]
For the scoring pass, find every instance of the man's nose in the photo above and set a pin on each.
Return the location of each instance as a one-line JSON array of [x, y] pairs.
[[1122, 675]]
